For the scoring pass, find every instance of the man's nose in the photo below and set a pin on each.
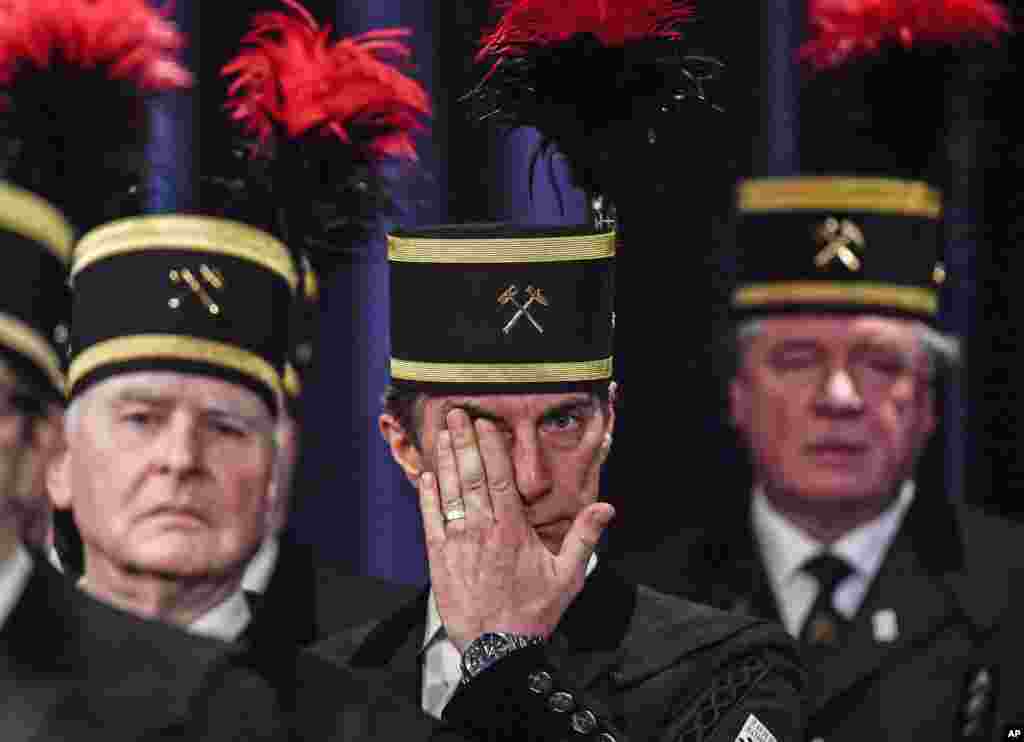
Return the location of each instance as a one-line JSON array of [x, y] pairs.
[[181, 445], [839, 394], [533, 472]]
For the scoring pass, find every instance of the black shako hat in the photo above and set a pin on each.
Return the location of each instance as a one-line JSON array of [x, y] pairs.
[[182, 292], [501, 308], [838, 245], [860, 230], [34, 302]]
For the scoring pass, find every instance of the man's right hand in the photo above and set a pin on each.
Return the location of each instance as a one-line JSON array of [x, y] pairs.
[[489, 570]]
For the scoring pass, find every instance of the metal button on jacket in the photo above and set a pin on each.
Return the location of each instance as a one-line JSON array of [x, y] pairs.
[[561, 702], [584, 722], [541, 682]]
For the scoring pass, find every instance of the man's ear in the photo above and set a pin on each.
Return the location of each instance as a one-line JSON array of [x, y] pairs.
[[929, 418], [614, 394], [739, 402], [403, 449], [58, 466]]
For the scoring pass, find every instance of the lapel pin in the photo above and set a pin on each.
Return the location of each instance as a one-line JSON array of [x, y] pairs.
[[885, 625]]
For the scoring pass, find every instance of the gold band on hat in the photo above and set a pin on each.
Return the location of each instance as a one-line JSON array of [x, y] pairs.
[[186, 232], [501, 373], [906, 298], [173, 347], [25, 213], [501, 249], [26, 340], [291, 384], [825, 193]]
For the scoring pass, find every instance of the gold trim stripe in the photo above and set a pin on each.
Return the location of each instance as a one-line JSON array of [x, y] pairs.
[[912, 298], [501, 249], [186, 232], [25, 213], [173, 347], [824, 193], [291, 383], [26, 340], [501, 373]]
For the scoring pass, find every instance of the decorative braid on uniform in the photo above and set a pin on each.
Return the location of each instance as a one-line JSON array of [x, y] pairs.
[[728, 688]]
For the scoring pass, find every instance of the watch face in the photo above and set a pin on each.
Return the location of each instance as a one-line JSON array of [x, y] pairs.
[[488, 648]]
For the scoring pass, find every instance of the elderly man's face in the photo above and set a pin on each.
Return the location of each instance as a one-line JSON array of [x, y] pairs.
[[833, 408], [167, 473], [553, 440]]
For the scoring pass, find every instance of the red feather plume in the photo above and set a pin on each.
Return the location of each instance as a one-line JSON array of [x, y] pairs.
[[129, 38], [292, 77], [846, 29], [527, 23]]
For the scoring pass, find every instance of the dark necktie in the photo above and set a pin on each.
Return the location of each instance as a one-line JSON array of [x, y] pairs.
[[823, 627]]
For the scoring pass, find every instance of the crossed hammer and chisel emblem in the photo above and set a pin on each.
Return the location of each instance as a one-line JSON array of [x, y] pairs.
[[840, 238], [212, 277], [508, 296]]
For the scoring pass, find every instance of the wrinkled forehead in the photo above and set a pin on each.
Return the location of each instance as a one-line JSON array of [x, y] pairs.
[[173, 388], [508, 407], [839, 331]]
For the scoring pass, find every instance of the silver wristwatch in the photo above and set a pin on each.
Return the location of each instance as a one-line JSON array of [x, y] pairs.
[[488, 648]]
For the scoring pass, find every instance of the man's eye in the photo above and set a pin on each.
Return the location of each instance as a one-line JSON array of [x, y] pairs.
[[565, 421], [888, 366], [795, 360], [139, 419], [228, 429]]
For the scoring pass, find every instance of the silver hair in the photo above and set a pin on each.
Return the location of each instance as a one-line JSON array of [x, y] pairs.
[[943, 351]]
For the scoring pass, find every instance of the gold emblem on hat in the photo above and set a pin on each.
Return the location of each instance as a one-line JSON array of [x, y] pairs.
[[508, 296], [839, 239], [211, 277]]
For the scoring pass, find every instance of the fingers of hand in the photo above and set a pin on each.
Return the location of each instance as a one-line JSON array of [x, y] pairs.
[[583, 537], [430, 508], [470, 465], [448, 480], [501, 480]]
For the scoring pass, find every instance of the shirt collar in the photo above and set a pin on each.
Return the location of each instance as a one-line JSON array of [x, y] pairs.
[[434, 626], [866, 545], [226, 620], [14, 574], [785, 548], [261, 567]]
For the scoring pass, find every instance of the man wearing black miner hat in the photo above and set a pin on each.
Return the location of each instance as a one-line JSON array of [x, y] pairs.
[[501, 412], [836, 362], [73, 667]]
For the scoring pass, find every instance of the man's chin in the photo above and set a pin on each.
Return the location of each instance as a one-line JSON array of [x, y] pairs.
[[835, 489], [179, 560]]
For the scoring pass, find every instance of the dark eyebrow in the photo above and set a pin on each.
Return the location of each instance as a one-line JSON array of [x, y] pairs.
[[796, 344], [128, 396], [571, 405]]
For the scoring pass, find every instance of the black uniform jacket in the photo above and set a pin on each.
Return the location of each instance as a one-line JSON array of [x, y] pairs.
[[72, 668], [948, 578], [625, 662], [309, 598]]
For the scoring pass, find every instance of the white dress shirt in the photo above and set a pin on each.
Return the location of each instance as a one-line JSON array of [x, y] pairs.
[[785, 548], [226, 620], [261, 567], [14, 574], [442, 663]]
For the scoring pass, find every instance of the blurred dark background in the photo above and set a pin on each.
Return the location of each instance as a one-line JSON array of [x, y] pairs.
[[674, 458]]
